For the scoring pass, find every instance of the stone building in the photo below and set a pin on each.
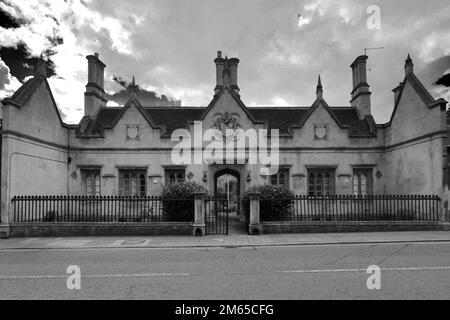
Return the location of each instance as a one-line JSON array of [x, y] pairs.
[[128, 150]]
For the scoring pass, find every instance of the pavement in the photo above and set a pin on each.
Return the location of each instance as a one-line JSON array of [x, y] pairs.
[[230, 241]]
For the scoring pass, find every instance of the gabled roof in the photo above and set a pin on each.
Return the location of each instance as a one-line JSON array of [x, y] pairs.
[[420, 89], [27, 90], [170, 118], [235, 97], [319, 102]]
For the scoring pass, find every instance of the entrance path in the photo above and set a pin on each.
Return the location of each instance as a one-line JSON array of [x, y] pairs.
[[232, 240]]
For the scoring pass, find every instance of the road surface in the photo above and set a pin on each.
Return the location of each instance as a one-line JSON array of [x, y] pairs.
[[408, 271]]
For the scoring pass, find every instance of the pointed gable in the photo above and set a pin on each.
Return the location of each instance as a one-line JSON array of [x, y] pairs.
[[25, 93], [226, 100]]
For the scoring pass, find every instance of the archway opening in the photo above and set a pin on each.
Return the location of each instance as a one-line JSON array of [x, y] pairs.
[[227, 185]]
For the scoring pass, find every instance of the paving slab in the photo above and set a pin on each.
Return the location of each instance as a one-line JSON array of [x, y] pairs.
[[223, 240]]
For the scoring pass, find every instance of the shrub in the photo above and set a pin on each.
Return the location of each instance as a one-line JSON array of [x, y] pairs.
[[276, 201], [178, 201], [50, 216]]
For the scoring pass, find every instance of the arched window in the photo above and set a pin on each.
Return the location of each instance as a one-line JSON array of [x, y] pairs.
[[320, 182], [175, 176], [281, 178], [362, 182], [91, 182], [132, 183]]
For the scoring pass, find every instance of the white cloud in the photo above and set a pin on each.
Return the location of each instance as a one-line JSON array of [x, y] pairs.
[[8, 83]]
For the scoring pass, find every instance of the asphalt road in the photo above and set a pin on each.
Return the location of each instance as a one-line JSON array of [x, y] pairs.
[[408, 271]]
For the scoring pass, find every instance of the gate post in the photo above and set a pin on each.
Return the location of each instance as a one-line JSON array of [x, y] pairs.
[[199, 220], [254, 227]]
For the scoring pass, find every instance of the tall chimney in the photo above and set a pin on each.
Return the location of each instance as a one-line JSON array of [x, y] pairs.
[[226, 73], [233, 64], [40, 68], [219, 61], [360, 93], [94, 96]]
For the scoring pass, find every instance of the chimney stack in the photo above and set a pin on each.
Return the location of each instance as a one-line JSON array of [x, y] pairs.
[[40, 68], [219, 61], [233, 65], [94, 96], [360, 93], [226, 73]]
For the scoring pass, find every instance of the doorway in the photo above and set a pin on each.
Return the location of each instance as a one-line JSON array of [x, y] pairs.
[[227, 185]]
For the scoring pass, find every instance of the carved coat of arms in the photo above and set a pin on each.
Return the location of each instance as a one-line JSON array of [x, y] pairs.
[[228, 126], [320, 131], [132, 132]]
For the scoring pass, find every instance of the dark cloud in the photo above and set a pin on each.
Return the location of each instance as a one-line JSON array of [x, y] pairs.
[[18, 56], [145, 97], [7, 21], [445, 80], [434, 73], [20, 63]]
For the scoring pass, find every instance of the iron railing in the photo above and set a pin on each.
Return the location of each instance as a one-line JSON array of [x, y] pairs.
[[351, 208], [106, 209], [216, 215]]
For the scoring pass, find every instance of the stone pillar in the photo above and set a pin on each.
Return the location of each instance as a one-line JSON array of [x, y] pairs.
[[255, 223], [199, 220]]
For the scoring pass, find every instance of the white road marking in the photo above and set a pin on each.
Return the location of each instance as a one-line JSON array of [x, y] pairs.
[[365, 269], [131, 275]]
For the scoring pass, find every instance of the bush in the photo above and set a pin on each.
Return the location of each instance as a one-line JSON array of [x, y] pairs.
[[276, 201], [178, 201], [50, 216]]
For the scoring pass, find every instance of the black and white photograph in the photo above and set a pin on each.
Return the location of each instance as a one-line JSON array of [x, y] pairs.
[[224, 156]]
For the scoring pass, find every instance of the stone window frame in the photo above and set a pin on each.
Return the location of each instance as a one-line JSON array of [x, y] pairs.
[[314, 173], [282, 171], [137, 177], [91, 181], [360, 172], [178, 172]]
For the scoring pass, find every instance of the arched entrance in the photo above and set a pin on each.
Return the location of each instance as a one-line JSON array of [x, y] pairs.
[[227, 185]]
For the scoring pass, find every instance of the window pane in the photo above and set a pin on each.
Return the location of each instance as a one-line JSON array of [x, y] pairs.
[[320, 182], [90, 182], [364, 181], [363, 185], [355, 185], [273, 180], [282, 179], [132, 182]]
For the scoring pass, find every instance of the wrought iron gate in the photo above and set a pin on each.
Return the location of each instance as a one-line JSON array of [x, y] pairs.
[[216, 215]]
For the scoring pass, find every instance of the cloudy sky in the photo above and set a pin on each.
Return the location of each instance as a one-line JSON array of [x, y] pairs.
[[169, 45]]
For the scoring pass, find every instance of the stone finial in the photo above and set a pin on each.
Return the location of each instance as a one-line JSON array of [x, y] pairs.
[[319, 88], [409, 65], [132, 88]]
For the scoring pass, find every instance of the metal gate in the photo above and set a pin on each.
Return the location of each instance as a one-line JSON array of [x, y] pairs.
[[216, 215]]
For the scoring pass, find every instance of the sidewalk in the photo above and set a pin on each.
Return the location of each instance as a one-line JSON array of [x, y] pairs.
[[231, 241]]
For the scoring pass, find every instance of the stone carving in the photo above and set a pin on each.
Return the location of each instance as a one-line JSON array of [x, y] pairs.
[[321, 132], [224, 123], [132, 132]]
